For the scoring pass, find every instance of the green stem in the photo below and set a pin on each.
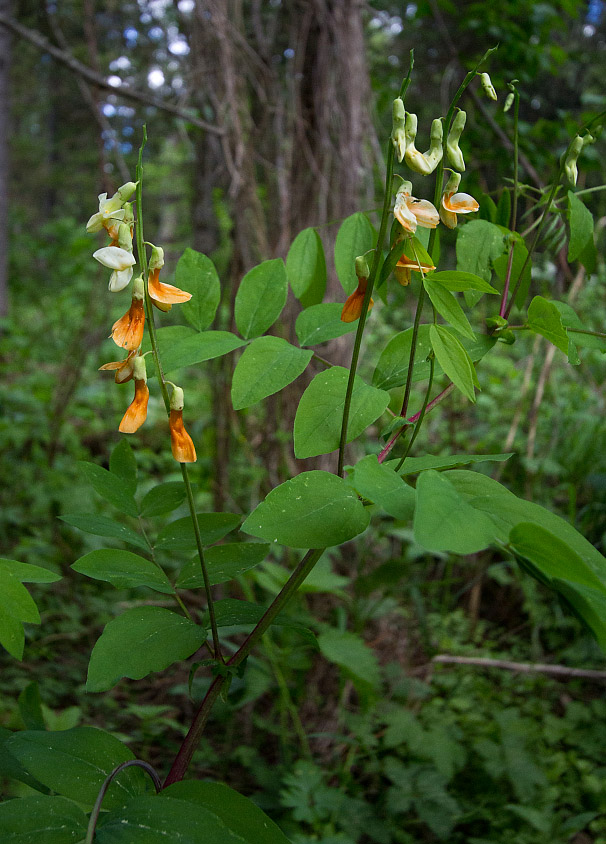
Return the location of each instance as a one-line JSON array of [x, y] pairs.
[[421, 414], [94, 817], [149, 311], [362, 321], [192, 739], [516, 110]]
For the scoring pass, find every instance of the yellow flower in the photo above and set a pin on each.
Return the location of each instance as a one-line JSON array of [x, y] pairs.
[[454, 203], [136, 413]]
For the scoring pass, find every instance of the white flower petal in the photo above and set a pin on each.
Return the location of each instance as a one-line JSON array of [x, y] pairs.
[[120, 279], [460, 203], [114, 257], [95, 224]]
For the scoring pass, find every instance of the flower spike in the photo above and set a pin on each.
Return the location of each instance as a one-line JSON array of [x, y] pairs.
[[181, 443]]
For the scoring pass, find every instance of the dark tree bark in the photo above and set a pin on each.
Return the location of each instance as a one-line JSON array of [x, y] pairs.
[[5, 60]]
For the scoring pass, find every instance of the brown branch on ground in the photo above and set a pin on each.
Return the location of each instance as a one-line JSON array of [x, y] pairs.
[[521, 667]]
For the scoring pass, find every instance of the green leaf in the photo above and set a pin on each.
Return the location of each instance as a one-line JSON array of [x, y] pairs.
[[42, 819], [479, 243], [245, 821], [27, 573], [109, 486], [123, 570], [268, 365], [102, 526], [260, 298], [163, 498], [380, 484], [459, 282], [12, 637], [76, 762], [313, 510], [139, 641], [306, 267], [520, 254], [453, 359], [198, 348], [392, 366], [318, 419], [167, 337], [231, 612], [321, 323], [11, 769], [223, 563], [581, 226], [197, 275], [413, 465], [355, 237], [352, 654], [179, 535], [444, 521], [30, 707], [551, 557], [588, 604], [544, 319], [122, 463], [448, 307], [15, 600]]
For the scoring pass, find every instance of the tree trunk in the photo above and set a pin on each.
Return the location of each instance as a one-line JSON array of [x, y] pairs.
[[5, 60]]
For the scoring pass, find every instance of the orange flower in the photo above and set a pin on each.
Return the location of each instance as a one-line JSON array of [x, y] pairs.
[[454, 203], [123, 368], [353, 306], [136, 413], [181, 442], [127, 332], [163, 295], [411, 212], [404, 267]]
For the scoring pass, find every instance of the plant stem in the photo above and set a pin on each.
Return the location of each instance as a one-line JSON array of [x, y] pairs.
[[94, 817], [440, 397], [421, 414], [362, 321], [192, 739]]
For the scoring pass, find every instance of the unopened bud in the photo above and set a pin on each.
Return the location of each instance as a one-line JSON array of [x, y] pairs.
[[453, 183], [496, 323], [508, 337], [125, 239], [488, 86], [509, 101], [455, 156], [125, 191], [139, 369], [398, 134], [177, 399], [362, 269], [570, 162], [156, 260], [423, 163], [128, 217], [139, 288]]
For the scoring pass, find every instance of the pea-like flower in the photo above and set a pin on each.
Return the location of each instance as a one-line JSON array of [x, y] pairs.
[[353, 304], [181, 443], [120, 261], [411, 212], [127, 332], [163, 296], [406, 265], [454, 203], [123, 368], [110, 208], [136, 413]]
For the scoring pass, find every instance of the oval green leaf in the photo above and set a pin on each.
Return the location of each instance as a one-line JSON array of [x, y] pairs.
[[266, 366], [141, 640], [260, 298], [123, 570], [197, 275], [179, 535], [223, 563], [318, 420], [102, 526], [313, 510], [199, 347], [306, 267], [321, 323], [454, 360], [163, 498], [47, 820], [355, 237]]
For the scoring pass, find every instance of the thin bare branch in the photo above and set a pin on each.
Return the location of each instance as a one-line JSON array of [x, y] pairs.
[[522, 667], [97, 79]]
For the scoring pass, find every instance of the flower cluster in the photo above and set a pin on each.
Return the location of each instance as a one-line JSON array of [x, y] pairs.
[[115, 215], [411, 212]]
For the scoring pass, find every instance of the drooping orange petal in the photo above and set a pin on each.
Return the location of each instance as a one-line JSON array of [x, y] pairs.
[[181, 443], [127, 332], [166, 294], [413, 264], [123, 368], [136, 413]]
